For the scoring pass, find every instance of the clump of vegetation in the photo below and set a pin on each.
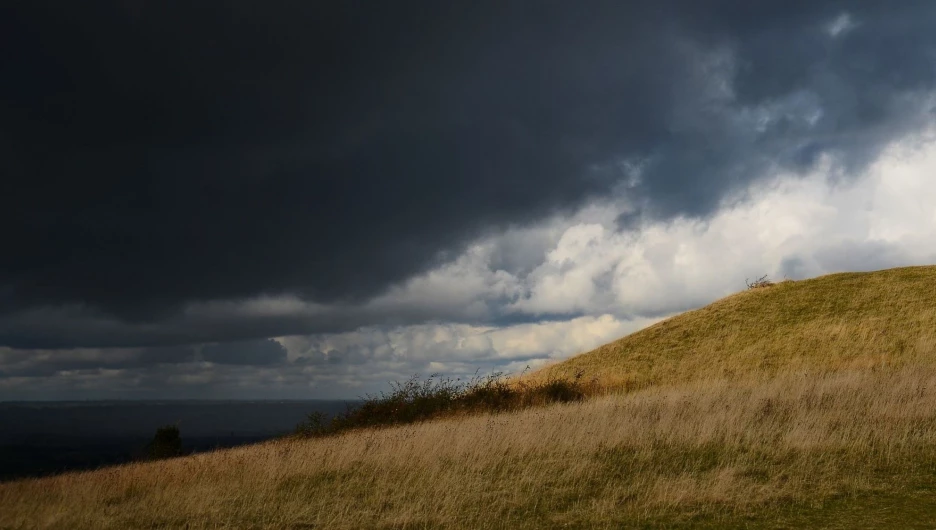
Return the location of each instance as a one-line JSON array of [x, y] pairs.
[[165, 444], [419, 400], [759, 283]]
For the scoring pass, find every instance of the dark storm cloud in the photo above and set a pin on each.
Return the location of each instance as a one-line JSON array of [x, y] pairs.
[[255, 353], [157, 154], [41, 363]]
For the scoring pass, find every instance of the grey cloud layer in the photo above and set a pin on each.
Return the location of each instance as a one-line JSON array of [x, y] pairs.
[[38, 363], [343, 365], [791, 225], [171, 156]]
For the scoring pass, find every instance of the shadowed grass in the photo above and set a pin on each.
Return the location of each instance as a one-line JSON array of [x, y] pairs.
[[799, 450]]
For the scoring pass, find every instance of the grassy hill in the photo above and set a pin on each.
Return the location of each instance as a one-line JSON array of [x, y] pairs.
[[839, 321], [806, 404]]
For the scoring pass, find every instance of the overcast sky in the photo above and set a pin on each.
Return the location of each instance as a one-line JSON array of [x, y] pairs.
[[310, 199]]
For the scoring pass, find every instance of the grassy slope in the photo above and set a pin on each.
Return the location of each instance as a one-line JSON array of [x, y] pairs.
[[808, 404], [837, 321], [847, 450]]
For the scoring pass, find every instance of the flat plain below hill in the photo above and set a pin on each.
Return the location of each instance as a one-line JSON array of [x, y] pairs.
[[804, 404]]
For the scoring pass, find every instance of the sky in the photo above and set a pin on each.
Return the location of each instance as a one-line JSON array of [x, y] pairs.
[[269, 200]]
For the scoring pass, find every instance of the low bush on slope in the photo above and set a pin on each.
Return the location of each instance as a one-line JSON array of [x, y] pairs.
[[433, 398]]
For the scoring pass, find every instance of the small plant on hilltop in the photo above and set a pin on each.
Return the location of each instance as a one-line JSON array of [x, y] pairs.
[[759, 283], [419, 400]]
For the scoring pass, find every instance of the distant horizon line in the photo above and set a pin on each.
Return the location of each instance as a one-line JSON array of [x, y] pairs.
[[171, 400]]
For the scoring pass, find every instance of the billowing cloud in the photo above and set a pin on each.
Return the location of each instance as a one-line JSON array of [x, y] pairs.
[[389, 190], [585, 282], [330, 151], [339, 365]]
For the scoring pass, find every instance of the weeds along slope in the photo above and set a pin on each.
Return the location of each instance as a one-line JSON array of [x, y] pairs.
[[436, 397], [713, 449]]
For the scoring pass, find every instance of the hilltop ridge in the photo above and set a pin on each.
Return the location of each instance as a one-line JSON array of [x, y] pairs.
[[844, 320]]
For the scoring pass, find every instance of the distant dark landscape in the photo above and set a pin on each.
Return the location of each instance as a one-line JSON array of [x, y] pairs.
[[43, 438]]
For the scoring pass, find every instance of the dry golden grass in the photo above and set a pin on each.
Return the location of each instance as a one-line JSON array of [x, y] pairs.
[[803, 404], [716, 449], [839, 321]]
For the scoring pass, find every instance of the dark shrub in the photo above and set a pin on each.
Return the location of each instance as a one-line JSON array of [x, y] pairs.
[[435, 397], [165, 444]]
